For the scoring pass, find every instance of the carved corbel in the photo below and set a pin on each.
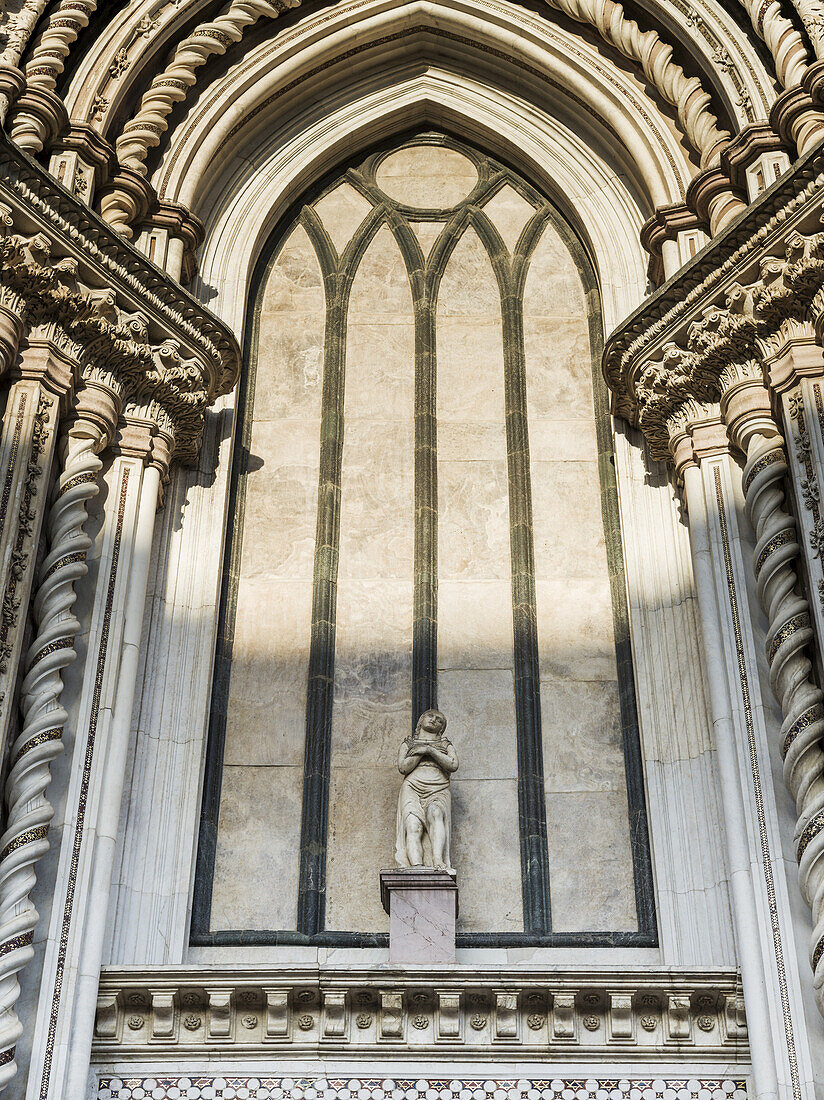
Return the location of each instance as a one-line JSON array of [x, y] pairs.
[[797, 120], [334, 1014], [220, 1017], [391, 1014], [449, 1015], [164, 1017], [507, 1019], [563, 1015], [621, 1016], [40, 115], [126, 201], [277, 1013]]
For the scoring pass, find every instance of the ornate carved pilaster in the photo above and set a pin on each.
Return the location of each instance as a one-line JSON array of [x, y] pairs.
[[789, 634], [47, 366], [29, 812], [143, 448], [711, 479]]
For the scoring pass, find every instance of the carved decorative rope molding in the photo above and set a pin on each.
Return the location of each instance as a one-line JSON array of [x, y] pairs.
[[25, 839], [647, 49], [789, 634], [173, 84], [782, 39]]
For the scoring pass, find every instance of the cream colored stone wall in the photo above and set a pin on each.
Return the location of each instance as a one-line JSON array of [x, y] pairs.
[[262, 785], [586, 801]]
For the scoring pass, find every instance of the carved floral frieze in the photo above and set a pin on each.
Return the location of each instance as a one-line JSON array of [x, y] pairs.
[[736, 302], [63, 267]]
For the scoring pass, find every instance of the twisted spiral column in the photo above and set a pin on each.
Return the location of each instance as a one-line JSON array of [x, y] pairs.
[[802, 704], [173, 84], [45, 65], [782, 40], [647, 49], [25, 840]]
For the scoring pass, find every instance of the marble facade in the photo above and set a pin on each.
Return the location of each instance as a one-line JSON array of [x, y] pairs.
[[308, 428]]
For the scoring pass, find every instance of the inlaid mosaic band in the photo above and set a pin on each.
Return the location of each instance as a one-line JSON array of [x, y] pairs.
[[763, 464], [814, 714], [409, 1088]]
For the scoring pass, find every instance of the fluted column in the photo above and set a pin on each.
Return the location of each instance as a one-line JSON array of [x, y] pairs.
[[744, 719], [61, 1040]]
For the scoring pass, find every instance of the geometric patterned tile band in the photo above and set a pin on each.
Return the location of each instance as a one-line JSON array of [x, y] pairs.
[[416, 1088]]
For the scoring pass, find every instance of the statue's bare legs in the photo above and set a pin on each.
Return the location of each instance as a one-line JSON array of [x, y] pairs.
[[414, 840], [436, 827]]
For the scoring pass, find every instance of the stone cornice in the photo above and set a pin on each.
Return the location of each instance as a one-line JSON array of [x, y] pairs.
[[645, 357], [436, 1012], [104, 258]]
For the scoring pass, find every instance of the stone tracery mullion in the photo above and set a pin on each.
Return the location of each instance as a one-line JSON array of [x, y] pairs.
[[511, 278], [338, 275]]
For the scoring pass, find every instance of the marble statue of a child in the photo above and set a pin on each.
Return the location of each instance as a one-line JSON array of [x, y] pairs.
[[426, 760]]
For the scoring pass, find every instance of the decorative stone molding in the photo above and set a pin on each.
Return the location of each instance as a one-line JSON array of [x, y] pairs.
[[783, 41], [439, 1014], [124, 204], [172, 86], [39, 205], [727, 305], [194, 362], [654, 56]]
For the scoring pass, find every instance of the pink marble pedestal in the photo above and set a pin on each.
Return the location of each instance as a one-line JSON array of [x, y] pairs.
[[422, 904]]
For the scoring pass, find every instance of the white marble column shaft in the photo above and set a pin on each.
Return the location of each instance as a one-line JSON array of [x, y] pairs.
[[91, 699], [26, 453], [746, 719], [39, 740], [108, 817]]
